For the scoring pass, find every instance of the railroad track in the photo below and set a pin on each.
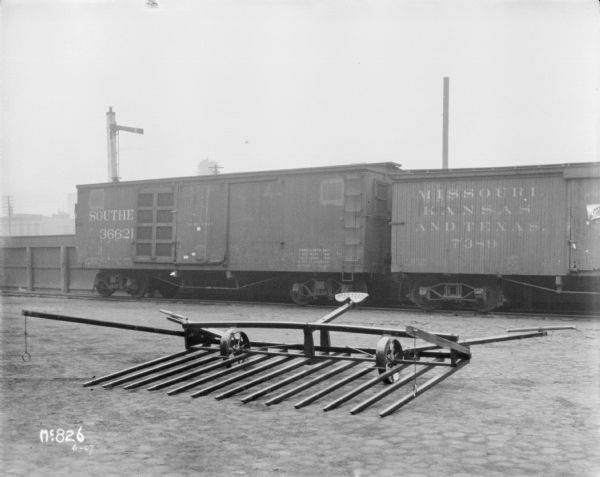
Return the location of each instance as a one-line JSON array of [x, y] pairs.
[[576, 314]]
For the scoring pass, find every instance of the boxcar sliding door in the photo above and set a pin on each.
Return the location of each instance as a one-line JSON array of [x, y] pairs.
[[202, 223], [584, 194]]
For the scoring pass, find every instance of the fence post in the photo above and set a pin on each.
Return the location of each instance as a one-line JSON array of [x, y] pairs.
[[64, 269], [29, 267]]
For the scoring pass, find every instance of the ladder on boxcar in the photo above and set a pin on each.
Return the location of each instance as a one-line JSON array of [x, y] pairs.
[[353, 226]]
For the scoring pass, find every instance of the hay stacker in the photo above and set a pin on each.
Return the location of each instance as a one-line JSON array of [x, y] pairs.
[[221, 360]]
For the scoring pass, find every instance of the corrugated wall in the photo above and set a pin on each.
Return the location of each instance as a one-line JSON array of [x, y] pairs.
[[42, 263], [489, 225], [584, 195]]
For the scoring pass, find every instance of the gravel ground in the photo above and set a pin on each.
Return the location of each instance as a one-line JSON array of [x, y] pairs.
[[528, 407]]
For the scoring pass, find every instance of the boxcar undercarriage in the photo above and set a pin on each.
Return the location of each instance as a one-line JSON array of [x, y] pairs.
[[302, 289], [486, 293]]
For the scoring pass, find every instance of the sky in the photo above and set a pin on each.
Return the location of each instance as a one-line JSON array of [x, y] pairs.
[[265, 84]]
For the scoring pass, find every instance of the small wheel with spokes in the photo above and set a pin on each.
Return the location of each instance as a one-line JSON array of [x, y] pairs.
[[387, 352], [233, 342]]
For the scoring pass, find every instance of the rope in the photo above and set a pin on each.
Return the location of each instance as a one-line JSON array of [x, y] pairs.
[[414, 357]]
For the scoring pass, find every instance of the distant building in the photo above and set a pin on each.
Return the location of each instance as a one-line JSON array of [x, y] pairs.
[[60, 223], [207, 167], [71, 201]]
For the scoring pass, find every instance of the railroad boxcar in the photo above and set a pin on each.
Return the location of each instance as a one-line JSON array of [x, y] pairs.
[[316, 230], [478, 237]]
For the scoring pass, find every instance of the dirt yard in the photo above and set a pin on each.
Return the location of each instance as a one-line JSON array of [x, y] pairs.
[[528, 407]]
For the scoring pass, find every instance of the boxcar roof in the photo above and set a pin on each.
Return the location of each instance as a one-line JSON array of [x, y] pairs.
[[381, 167], [570, 170]]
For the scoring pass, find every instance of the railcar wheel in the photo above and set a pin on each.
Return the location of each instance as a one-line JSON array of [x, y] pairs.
[[421, 300], [102, 287], [301, 293], [137, 286], [490, 299], [168, 290], [387, 351], [233, 342]]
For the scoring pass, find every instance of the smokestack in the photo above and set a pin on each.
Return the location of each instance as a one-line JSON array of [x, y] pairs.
[[111, 132], [445, 123]]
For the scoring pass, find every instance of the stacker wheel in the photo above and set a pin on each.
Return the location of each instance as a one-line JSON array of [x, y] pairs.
[[387, 351], [234, 342]]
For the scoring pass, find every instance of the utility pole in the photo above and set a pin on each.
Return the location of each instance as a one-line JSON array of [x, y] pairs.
[[215, 168], [445, 122], [112, 130], [7, 210]]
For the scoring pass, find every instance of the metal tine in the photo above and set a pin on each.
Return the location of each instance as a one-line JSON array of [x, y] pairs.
[[205, 379], [262, 379], [288, 380], [421, 389], [205, 358], [332, 387], [186, 367], [137, 367], [291, 392], [389, 389], [250, 372], [372, 382]]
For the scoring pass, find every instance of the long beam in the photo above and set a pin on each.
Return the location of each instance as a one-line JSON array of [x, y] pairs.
[[109, 324], [368, 330], [485, 340]]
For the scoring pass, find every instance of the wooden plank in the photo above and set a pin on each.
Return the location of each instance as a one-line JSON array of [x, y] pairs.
[[438, 340]]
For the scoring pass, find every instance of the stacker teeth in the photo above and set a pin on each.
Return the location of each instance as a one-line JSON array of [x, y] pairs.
[[201, 366], [284, 382], [187, 376], [137, 367], [202, 358], [312, 382], [332, 387], [262, 379], [227, 382]]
